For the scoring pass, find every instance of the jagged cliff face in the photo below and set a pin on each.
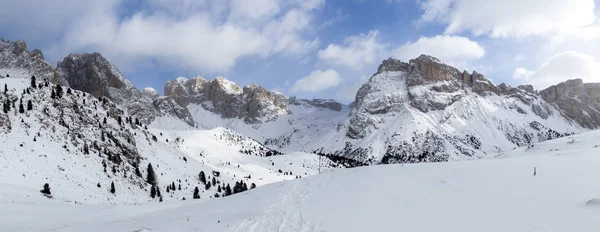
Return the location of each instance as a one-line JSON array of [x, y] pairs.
[[252, 103], [16, 56], [425, 110], [94, 74], [578, 101]]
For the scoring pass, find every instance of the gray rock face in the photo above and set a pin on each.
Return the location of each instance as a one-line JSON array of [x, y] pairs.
[[253, 103], [320, 103], [92, 73], [150, 93], [168, 104], [578, 101], [15, 55]]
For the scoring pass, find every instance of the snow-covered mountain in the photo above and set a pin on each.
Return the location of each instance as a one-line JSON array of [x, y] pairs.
[[15, 56], [81, 145], [420, 111], [101, 130], [425, 110]]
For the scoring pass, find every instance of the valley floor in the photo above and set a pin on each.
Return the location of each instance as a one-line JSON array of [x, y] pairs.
[[500, 194]]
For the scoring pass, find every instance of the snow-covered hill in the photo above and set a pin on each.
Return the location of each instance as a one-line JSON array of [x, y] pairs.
[[80, 145], [481, 195]]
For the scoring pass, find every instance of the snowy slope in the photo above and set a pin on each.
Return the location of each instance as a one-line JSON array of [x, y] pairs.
[[482, 195], [46, 145]]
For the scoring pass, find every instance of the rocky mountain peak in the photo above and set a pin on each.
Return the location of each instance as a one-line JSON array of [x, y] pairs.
[[253, 103], [578, 101], [92, 73], [150, 93], [431, 70], [16, 56]]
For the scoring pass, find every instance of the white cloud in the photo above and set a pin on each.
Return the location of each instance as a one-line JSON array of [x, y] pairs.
[[508, 18], [196, 35], [356, 51], [561, 67], [454, 50], [520, 57], [317, 81], [348, 93]]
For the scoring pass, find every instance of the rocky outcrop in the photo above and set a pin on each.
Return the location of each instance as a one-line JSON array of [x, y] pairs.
[[252, 103], [319, 103], [168, 104], [578, 101], [150, 93], [94, 74], [427, 69], [15, 55]]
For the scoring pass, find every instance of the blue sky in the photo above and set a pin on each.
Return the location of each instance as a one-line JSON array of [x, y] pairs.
[[314, 48]]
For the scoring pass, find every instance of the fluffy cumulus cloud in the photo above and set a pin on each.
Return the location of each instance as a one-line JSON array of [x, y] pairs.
[[317, 81], [355, 52], [455, 50], [561, 67], [197, 35], [508, 18]]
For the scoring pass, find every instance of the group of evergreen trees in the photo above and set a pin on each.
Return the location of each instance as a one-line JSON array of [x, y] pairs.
[[6, 106]]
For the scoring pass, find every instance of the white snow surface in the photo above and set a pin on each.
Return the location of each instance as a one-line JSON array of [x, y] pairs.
[[480, 195]]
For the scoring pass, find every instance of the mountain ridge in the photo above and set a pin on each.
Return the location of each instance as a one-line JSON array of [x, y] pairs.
[[391, 95]]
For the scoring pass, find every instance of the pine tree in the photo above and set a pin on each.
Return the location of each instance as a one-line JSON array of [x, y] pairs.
[[21, 108], [227, 190], [151, 177], [253, 185], [33, 85], [179, 187], [112, 187], [104, 121], [59, 91], [160, 199], [53, 94], [46, 189], [119, 120], [29, 105], [5, 107], [214, 181], [158, 194], [202, 177], [69, 91], [153, 191], [219, 188], [196, 193], [5, 88], [207, 186], [173, 185], [98, 185]]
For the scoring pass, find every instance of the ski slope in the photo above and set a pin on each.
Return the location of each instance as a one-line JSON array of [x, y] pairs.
[[499, 194]]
